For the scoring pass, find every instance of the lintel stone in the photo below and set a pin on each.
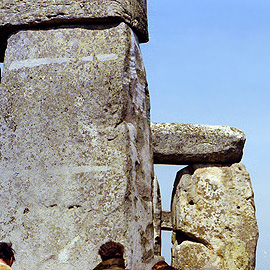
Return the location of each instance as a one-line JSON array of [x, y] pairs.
[[21, 14], [181, 144]]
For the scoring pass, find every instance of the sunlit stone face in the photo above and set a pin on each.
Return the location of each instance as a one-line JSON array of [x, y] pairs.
[[75, 146]]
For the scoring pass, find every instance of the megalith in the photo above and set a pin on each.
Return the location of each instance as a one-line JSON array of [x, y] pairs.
[[213, 218], [16, 15], [77, 149], [76, 160], [212, 215], [182, 144]]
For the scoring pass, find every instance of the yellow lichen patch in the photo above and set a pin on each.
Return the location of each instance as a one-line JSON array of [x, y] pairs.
[[236, 256]]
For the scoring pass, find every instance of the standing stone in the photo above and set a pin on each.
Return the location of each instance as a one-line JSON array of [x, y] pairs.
[[76, 164], [213, 217]]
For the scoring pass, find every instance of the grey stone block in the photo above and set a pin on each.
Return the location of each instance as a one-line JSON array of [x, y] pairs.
[[182, 144], [166, 221], [76, 164], [21, 14]]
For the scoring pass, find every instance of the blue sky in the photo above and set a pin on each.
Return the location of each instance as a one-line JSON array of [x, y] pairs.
[[207, 62]]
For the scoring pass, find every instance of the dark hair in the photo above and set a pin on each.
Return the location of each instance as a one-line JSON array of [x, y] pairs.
[[162, 265], [111, 250], [7, 252]]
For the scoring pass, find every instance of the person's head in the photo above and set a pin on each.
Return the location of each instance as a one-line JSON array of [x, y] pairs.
[[7, 253], [162, 265], [111, 250]]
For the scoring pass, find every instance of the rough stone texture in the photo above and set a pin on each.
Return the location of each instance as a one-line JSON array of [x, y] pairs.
[[213, 217], [18, 14], [183, 144], [166, 221], [76, 164]]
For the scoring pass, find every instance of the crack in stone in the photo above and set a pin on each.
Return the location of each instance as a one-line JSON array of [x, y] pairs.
[[250, 199], [183, 236], [74, 206]]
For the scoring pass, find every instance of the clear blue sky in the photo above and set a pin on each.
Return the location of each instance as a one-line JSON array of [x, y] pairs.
[[208, 63]]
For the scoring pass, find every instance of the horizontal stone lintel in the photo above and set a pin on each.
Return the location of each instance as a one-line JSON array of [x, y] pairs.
[[22, 14], [183, 144]]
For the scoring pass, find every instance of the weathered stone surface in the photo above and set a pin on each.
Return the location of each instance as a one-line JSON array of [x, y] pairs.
[[213, 218], [76, 164], [19, 14], [188, 143], [190, 255], [166, 221]]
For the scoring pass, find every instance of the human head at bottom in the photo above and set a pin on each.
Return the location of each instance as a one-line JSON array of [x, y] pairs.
[[7, 253], [111, 250], [162, 265]]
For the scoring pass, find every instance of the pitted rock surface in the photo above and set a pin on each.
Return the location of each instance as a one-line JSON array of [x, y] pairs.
[[183, 144], [76, 164], [213, 216], [21, 14]]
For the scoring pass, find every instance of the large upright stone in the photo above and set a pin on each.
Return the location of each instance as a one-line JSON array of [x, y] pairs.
[[20, 14], [213, 218], [182, 144], [76, 164]]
